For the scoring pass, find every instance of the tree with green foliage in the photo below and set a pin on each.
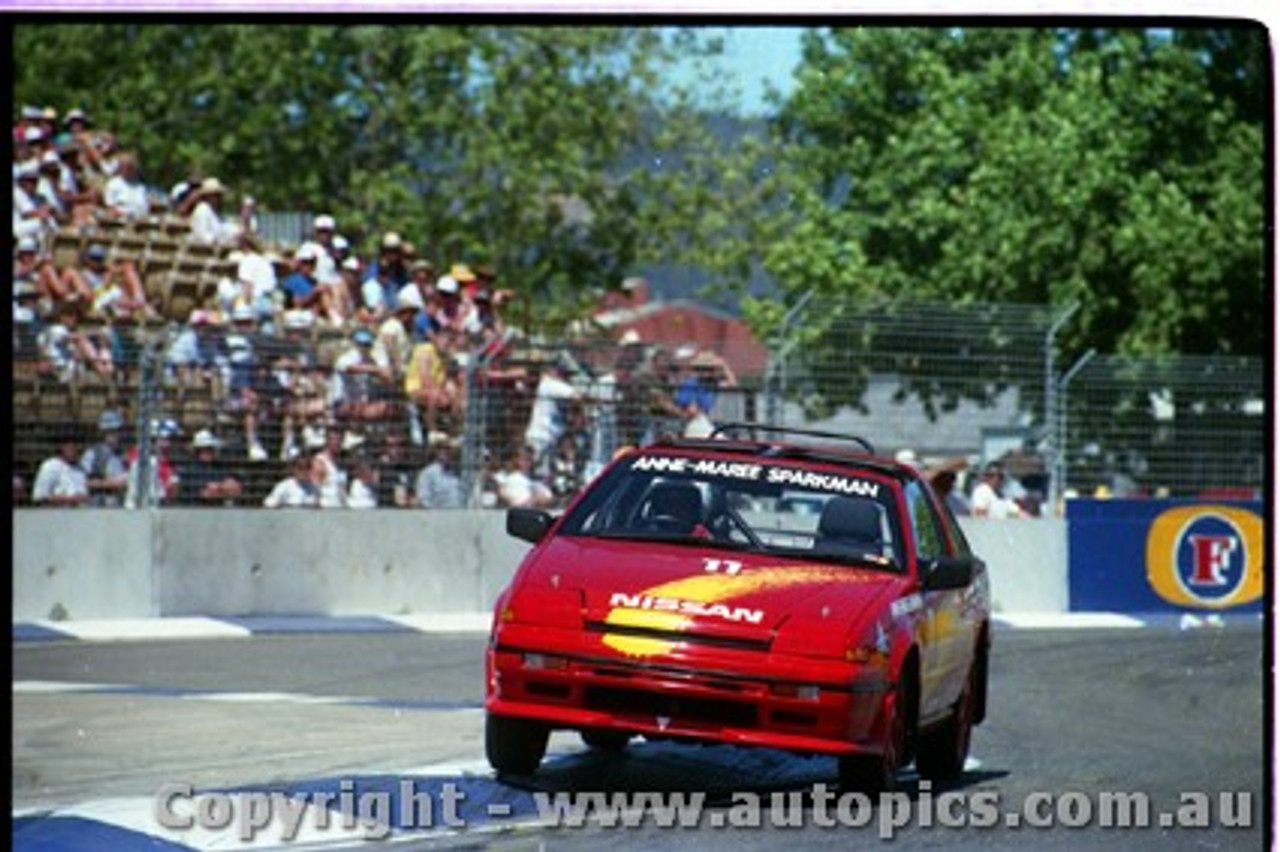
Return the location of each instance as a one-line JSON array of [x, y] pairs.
[[1119, 169], [502, 144]]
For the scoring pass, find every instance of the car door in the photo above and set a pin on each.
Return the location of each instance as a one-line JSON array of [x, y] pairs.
[[945, 634]]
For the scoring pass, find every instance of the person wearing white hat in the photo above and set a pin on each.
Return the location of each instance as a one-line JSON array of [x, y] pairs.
[[395, 334], [207, 224], [202, 481], [301, 288]]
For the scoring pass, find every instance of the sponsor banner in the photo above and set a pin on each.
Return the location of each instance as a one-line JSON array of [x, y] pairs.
[[1165, 555]]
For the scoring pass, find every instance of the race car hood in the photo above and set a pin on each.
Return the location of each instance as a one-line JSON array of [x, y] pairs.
[[705, 591]]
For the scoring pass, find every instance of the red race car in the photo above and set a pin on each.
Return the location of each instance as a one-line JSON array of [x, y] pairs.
[[801, 594]]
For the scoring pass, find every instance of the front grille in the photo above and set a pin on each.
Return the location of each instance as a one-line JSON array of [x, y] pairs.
[[691, 637], [678, 708]]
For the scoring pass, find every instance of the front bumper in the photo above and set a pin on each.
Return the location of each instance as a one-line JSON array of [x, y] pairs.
[[570, 679]]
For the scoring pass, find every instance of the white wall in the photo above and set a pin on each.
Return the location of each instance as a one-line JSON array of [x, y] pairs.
[[111, 563]]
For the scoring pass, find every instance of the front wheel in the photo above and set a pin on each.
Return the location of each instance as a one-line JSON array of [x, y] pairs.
[[878, 773], [513, 745], [944, 750]]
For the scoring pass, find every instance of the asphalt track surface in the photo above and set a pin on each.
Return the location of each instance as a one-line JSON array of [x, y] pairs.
[[1154, 710]]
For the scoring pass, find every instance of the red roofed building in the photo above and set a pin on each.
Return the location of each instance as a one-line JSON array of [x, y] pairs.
[[683, 323]]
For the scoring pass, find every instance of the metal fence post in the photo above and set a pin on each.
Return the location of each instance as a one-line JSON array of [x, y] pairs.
[[1060, 457], [1053, 437], [776, 385]]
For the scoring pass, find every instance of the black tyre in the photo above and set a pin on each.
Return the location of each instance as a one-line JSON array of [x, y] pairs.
[[878, 773], [605, 739], [513, 745], [944, 749]]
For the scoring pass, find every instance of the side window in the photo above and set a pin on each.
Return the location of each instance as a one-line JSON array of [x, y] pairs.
[[925, 530]]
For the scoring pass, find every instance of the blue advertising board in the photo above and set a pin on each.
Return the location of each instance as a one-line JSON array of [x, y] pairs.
[[1165, 555]]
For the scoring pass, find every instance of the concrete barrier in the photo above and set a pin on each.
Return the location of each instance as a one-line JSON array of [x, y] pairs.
[[80, 564]]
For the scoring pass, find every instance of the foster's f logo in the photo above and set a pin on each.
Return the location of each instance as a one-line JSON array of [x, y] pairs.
[[1206, 556]]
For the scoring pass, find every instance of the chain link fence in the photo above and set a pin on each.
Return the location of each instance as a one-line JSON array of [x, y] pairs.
[[939, 383], [980, 383]]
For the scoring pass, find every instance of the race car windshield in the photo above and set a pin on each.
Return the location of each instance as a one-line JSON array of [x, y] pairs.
[[778, 509]]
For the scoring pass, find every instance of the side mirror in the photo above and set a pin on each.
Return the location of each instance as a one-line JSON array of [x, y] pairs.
[[949, 572], [528, 524]]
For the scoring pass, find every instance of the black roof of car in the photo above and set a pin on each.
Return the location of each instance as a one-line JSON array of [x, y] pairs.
[[720, 441]]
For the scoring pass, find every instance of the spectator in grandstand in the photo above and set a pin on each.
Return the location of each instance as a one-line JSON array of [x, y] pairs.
[[113, 288], [207, 224], [103, 463], [27, 323], [33, 214], [363, 491], [390, 266], [70, 349], [697, 393], [327, 470], [256, 280], [378, 292], [518, 486], [243, 378], [323, 229], [301, 288], [202, 480], [987, 500], [52, 187], [362, 380], [342, 302], [395, 334], [944, 479], [125, 196], [164, 480], [303, 385], [60, 481], [434, 390], [449, 310], [31, 266], [549, 416], [397, 471], [439, 485], [198, 349], [298, 490]]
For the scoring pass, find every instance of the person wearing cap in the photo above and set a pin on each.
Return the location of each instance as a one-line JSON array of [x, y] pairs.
[[110, 288], [362, 380], [207, 224], [696, 395], [448, 309], [390, 265], [549, 415], [301, 288], [395, 334], [202, 481], [242, 368], [59, 184], [33, 268], [125, 196], [323, 230], [103, 463], [33, 214], [987, 500], [59, 480], [164, 474], [342, 301]]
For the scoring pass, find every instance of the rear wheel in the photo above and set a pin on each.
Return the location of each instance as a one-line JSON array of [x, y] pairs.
[[945, 748], [513, 745], [605, 739]]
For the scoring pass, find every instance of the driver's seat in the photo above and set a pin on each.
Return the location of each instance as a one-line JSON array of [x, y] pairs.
[[674, 507], [850, 526]]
